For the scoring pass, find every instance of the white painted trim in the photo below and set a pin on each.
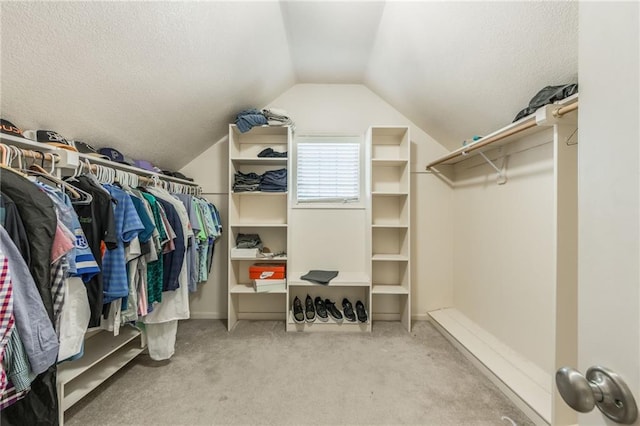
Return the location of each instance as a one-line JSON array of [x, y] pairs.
[[528, 386]]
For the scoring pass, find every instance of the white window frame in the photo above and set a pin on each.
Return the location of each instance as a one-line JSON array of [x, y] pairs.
[[337, 204]]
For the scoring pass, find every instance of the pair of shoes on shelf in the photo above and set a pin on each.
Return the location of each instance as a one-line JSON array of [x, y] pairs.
[[308, 314], [350, 315], [315, 308], [323, 309]]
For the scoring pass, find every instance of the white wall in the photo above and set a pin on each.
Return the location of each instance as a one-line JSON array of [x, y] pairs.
[[350, 109], [504, 248]]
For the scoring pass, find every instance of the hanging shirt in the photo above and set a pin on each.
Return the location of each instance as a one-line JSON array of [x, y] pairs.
[[81, 261], [39, 219], [12, 222], [6, 315], [155, 268], [128, 226], [98, 225], [32, 321]]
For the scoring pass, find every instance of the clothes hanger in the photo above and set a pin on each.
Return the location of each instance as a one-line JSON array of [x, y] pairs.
[[79, 197]]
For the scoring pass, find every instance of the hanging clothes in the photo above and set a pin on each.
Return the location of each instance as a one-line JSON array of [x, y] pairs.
[[98, 224]]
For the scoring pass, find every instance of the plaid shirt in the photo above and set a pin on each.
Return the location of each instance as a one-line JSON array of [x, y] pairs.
[[7, 320]]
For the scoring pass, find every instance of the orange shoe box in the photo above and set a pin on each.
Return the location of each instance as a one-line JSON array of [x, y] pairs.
[[263, 271]]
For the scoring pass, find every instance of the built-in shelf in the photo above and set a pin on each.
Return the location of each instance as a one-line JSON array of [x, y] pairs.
[[248, 289], [390, 226], [389, 258], [388, 162], [324, 326], [260, 193], [265, 213], [344, 279], [260, 161], [542, 119], [104, 354], [261, 259], [388, 193], [258, 225], [389, 289]]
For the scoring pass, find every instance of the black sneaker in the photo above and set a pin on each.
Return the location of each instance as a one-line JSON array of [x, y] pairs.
[[361, 312], [298, 313], [333, 311], [348, 310], [321, 310], [309, 311]]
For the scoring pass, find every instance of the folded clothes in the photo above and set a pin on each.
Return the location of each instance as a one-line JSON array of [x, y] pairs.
[[270, 153], [320, 277], [247, 119], [248, 241]]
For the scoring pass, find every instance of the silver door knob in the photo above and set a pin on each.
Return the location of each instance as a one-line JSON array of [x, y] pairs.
[[600, 387]]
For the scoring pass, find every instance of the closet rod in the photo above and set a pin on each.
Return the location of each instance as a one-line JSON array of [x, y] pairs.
[[465, 150], [482, 143], [565, 109], [37, 155]]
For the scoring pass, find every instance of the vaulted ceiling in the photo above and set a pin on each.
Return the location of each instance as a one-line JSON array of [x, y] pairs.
[[161, 80]]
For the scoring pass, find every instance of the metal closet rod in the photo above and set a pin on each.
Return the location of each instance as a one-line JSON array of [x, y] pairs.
[[484, 142]]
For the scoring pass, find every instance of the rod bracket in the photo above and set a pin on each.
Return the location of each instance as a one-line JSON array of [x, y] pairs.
[[501, 178]]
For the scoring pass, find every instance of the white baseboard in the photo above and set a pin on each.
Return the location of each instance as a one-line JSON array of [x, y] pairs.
[[525, 384]]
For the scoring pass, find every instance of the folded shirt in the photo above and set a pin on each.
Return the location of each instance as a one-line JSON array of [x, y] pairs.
[[320, 277]]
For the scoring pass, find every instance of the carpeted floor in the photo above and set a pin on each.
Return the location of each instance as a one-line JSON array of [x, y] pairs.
[[261, 375]]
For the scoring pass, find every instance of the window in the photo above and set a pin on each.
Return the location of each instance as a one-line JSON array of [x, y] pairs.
[[328, 172]]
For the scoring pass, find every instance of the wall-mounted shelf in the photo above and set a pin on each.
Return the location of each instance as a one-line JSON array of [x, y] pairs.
[[546, 116]]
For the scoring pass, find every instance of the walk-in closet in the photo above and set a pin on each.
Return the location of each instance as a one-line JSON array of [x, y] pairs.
[[306, 212]]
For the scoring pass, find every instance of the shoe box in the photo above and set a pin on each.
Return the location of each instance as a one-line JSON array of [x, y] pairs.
[[264, 271]]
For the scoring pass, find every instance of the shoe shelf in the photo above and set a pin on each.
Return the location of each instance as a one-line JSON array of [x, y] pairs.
[[329, 325]]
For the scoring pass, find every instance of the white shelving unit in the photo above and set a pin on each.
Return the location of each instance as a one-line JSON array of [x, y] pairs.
[[104, 355], [262, 213], [353, 286], [390, 149]]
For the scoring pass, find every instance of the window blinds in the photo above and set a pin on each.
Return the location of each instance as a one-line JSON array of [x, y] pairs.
[[328, 172]]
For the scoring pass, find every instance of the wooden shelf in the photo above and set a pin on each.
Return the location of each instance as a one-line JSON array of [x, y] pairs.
[[258, 225], [534, 123], [389, 289], [260, 161], [97, 348], [248, 289], [261, 259], [344, 279], [389, 258], [388, 162], [389, 194], [259, 193], [329, 325]]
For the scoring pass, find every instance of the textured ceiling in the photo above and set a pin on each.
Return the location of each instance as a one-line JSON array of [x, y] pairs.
[[161, 80]]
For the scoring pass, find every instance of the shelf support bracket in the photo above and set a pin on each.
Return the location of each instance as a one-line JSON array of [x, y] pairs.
[[502, 178]]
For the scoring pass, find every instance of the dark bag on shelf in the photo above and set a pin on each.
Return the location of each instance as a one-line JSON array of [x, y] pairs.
[[546, 96]]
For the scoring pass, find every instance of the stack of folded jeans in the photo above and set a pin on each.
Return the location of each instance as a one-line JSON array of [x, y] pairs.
[[270, 153], [274, 181], [244, 182], [249, 118]]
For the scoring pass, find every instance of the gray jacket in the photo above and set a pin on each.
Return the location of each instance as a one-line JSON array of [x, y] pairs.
[[34, 326]]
